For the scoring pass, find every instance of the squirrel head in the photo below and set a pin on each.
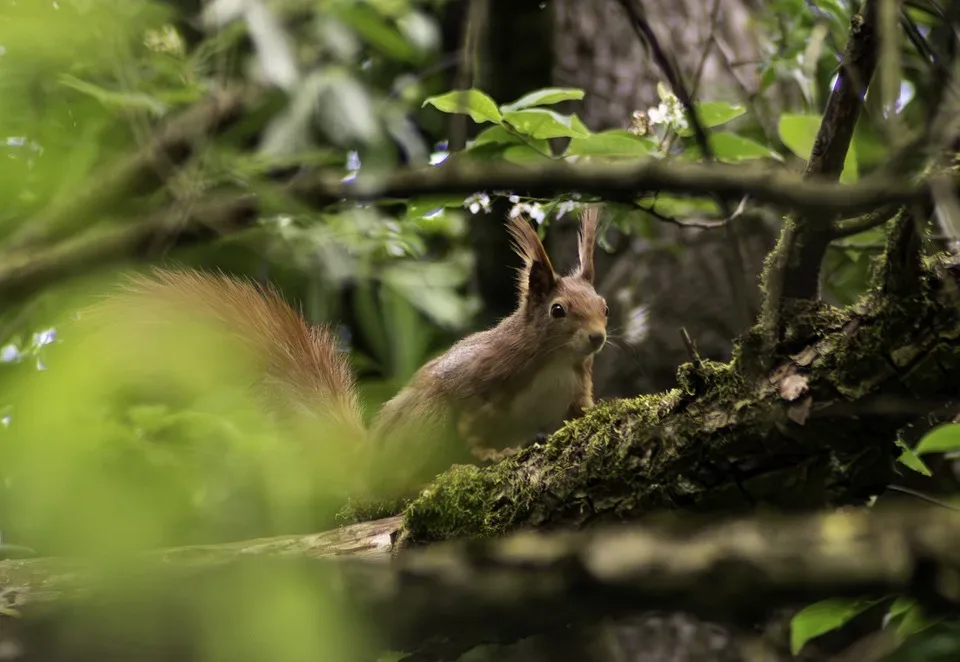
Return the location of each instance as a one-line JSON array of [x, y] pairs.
[[565, 313]]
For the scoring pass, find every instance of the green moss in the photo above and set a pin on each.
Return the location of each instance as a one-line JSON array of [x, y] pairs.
[[457, 505], [357, 510]]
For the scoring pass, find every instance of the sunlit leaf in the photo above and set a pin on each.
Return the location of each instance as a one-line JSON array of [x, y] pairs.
[[544, 97], [475, 103], [942, 439], [822, 617], [543, 123]]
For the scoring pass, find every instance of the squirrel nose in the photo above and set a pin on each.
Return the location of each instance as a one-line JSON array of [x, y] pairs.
[[597, 340]]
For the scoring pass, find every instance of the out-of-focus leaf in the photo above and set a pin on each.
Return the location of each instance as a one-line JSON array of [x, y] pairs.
[[616, 143], [420, 30], [822, 617], [545, 97], [521, 154], [942, 439], [273, 47], [376, 31], [474, 103], [731, 148], [502, 136], [126, 100], [714, 113], [907, 616], [799, 132], [543, 123]]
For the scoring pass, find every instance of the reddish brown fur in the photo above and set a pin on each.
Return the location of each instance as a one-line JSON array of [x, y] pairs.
[[303, 361]]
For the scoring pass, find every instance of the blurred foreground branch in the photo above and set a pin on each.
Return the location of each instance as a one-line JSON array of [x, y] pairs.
[[626, 182], [451, 597]]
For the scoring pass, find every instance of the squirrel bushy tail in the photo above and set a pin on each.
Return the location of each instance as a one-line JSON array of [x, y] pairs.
[[302, 363]]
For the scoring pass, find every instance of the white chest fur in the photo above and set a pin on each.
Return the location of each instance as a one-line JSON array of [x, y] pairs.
[[543, 404]]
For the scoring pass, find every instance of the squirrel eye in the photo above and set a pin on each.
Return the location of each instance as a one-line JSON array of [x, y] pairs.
[[557, 311], [606, 310]]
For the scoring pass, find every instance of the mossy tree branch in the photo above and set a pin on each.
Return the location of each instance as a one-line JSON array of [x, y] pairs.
[[793, 268], [817, 430]]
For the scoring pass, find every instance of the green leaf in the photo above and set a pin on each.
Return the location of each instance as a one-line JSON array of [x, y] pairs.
[[714, 113], [542, 123], [544, 97], [908, 618], [942, 439], [616, 143], [377, 32], [822, 617], [474, 103], [799, 132], [522, 154], [910, 460], [111, 99], [731, 148], [502, 136]]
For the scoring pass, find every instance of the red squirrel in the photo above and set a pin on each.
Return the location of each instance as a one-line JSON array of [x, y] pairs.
[[489, 394]]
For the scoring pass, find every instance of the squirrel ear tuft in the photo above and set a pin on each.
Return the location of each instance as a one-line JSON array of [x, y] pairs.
[[589, 220], [537, 276]]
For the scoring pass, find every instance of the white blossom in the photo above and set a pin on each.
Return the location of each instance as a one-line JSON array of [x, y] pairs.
[[476, 202]]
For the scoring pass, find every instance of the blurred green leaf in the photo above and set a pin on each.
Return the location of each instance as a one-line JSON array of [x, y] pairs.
[[908, 617], [501, 135], [731, 148], [521, 154], [616, 143], [377, 31], [474, 103], [942, 439], [714, 113], [544, 97], [123, 100], [543, 123], [822, 617], [799, 132]]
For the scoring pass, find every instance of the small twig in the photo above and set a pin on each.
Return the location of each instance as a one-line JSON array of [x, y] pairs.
[[691, 347], [685, 223]]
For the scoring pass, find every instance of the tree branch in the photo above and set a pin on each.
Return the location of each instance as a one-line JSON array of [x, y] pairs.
[[622, 182], [23, 273], [794, 265], [818, 429], [448, 598]]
